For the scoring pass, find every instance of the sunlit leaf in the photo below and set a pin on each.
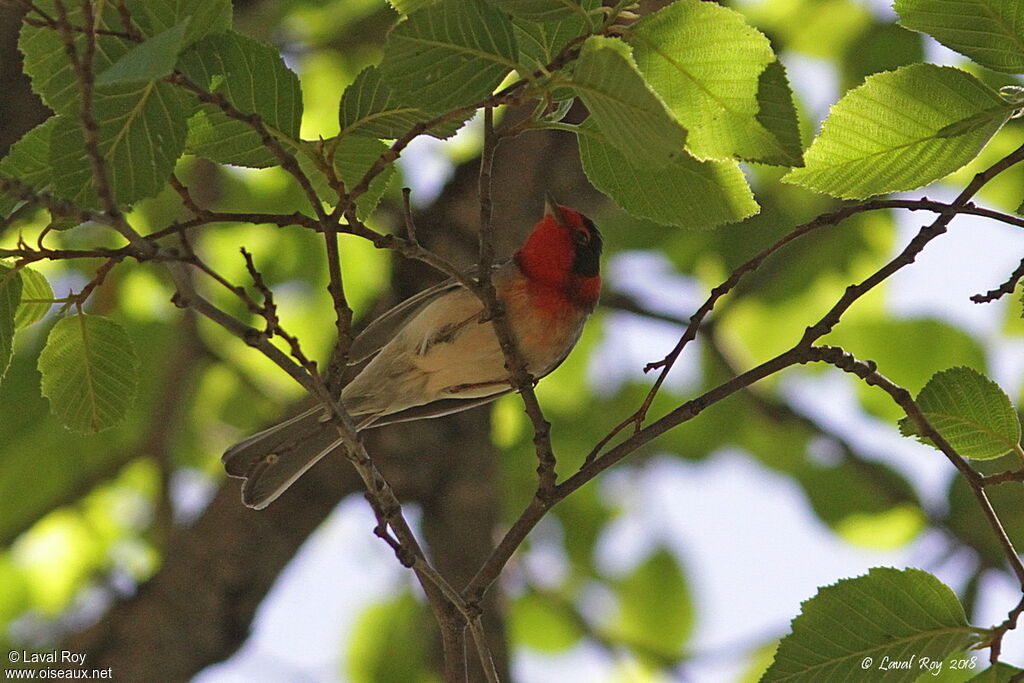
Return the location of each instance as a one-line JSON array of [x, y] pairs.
[[823, 29], [898, 131], [89, 372], [687, 192], [713, 87], [15, 598], [887, 614], [970, 411], [631, 117], [991, 32], [32, 486], [541, 10]]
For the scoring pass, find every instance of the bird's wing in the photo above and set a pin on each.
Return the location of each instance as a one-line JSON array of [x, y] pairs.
[[382, 330], [379, 332], [439, 408]]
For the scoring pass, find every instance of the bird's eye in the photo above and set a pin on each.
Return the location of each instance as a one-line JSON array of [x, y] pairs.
[[580, 237]]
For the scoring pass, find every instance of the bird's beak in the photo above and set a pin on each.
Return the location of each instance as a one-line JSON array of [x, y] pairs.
[[551, 208]]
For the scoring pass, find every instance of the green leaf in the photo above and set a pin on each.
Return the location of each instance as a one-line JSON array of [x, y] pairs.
[[893, 132], [208, 17], [353, 157], [713, 93], [823, 29], [410, 6], [880, 46], [371, 654], [254, 79], [46, 62], [969, 411], [89, 372], [32, 485], [969, 525], [908, 349], [630, 116], [777, 114], [867, 503], [148, 61], [33, 286], [540, 42], [979, 121], [10, 296], [28, 161], [655, 611], [1000, 672], [688, 193], [888, 613], [141, 133], [449, 55], [369, 106], [541, 10], [543, 623], [991, 32]]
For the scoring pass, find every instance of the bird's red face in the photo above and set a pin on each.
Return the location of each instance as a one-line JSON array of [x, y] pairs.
[[564, 253]]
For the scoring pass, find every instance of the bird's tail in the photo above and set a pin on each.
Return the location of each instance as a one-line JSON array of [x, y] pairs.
[[271, 460]]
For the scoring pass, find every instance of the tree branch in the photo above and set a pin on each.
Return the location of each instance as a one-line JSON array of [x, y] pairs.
[[1003, 289]]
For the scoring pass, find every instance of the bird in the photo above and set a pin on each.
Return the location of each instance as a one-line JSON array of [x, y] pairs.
[[437, 353]]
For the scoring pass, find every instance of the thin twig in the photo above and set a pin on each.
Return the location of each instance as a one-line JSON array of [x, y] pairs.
[[666, 364], [268, 310], [410, 224], [285, 158], [508, 95], [867, 371], [519, 374], [342, 310], [995, 642], [186, 296], [83, 68], [1003, 289], [1003, 478], [800, 353]]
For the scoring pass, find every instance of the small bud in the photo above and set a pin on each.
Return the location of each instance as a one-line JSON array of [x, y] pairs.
[[1014, 94]]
